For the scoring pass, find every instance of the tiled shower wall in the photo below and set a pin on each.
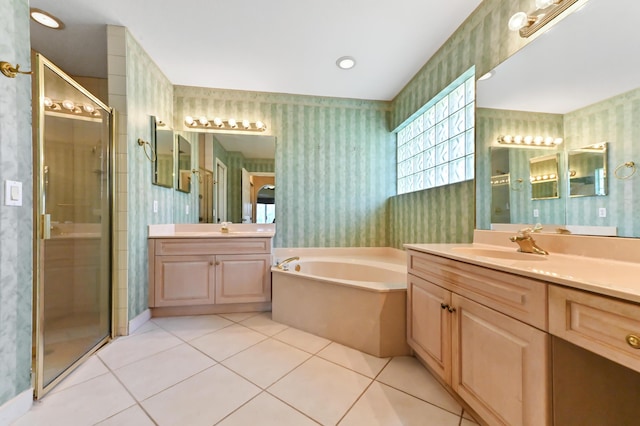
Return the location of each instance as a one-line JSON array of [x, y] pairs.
[[16, 235]]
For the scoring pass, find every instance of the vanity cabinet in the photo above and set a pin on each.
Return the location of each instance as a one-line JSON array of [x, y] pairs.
[[484, 334], [214, 275], [606, 326]]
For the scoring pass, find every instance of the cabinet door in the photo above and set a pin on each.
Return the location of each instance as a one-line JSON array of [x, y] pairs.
[[429, 324], [500, 365], [243, 278], [184, 280]]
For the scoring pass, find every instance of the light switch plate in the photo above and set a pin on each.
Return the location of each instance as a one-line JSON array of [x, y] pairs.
[[187, 208], [602, 212], [155, 206], [12, 193], [536, 213]]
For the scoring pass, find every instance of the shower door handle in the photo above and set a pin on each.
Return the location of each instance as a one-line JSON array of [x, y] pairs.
[[45, 232]]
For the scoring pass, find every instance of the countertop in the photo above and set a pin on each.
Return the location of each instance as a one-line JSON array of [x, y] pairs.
[[236, 230], [603, 276]]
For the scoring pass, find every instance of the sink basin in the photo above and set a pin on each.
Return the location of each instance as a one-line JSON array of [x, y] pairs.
[[500, 254]]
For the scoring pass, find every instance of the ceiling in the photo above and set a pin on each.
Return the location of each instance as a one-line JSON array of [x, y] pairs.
[[283, 46], [590, 56]]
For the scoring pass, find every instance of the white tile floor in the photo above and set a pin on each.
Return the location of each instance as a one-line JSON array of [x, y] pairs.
[[242, 369]]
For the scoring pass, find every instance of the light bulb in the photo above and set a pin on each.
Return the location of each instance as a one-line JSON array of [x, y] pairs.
[[246, 124], [346, 62], [557, 141], [507, 139], [538, 140], [543, 4], [217, 121], [88, 108], [260, 125], [548, 141], [232, 123], [67, 104], [517, 139], [47, 102], [518, 21], [189, 120], [528, 140], [203, 120]]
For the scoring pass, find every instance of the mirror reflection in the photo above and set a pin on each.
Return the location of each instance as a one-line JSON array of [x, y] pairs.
[[588, 171], [543, 175], [183, 164], [162, 169], [578, 82], [239, 166]]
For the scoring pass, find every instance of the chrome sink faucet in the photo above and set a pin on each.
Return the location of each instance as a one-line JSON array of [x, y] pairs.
[[526, 242]]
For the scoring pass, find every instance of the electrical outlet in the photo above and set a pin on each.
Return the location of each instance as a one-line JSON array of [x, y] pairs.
[[602, 212], [155, 206], [536, 213]]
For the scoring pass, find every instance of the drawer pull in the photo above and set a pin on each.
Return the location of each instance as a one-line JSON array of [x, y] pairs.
[[633, 341]]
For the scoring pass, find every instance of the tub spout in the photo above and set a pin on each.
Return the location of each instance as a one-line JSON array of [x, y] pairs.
[[284, 263]]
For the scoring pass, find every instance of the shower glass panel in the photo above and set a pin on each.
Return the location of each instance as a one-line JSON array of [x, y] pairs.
[[73, 292]]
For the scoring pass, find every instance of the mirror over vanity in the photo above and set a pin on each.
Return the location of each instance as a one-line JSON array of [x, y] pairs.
[[578, 85], [236, 176]]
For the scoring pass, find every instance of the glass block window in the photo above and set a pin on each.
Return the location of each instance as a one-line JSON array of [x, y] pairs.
[[437, 147]]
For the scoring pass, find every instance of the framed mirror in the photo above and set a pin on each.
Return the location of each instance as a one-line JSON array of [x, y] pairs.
[[577, 82], [162, 142], [588, 170], [543, 175], [183, 164]]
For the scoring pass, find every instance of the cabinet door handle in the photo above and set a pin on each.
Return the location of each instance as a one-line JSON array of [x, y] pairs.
[[217, 262], [444, 306], [633, 340], [450, 309]]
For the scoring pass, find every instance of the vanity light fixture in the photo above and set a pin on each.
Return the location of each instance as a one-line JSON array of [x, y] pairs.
[[68, 108], [346, 62], [546, 11], [224, 124], [532, 141], [46, 19]]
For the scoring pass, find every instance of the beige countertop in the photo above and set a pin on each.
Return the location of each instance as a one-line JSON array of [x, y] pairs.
[[205, 230], [609, 277]]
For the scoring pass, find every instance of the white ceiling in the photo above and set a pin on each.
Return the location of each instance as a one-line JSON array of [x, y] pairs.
[[285, 46], [591, 55]]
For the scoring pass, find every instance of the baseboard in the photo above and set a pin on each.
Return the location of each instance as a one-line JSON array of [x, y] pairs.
[[139, 321], [16, 407]]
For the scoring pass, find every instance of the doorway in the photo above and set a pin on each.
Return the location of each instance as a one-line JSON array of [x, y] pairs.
[[73, 134]]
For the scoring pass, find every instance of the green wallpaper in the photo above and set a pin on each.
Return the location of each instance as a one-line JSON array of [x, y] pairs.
[[149, 92], [335, 161], [16, 223]]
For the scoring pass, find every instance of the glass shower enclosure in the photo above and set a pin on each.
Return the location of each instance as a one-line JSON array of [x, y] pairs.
[[73, 133]]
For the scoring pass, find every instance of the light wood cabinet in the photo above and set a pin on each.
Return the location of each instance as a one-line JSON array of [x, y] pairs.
[[467, 326], [209, 275], [605, 326]]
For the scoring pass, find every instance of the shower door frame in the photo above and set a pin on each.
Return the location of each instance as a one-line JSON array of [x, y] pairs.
[[39, 63]]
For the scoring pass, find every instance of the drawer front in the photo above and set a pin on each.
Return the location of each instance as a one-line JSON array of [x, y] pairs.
[[208, 246], [519, 297], [608, 327]]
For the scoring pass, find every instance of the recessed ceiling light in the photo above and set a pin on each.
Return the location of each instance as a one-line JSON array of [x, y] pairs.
[[346, 62], [46, 19]]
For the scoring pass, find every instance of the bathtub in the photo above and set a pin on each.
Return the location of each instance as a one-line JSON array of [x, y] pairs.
[[356, 297]]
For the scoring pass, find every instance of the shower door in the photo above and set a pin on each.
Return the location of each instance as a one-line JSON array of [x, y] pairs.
[[72, 162]]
